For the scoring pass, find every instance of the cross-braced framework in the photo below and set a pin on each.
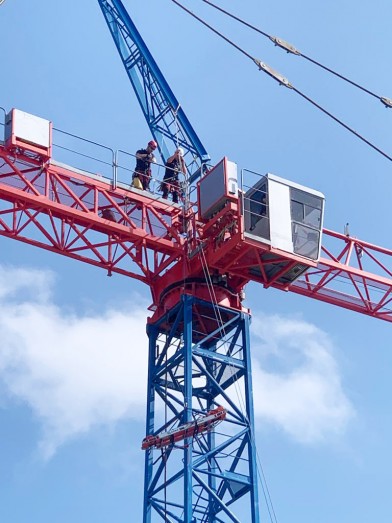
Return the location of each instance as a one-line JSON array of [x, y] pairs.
[[163, 113], [82, 216], [198, 360]]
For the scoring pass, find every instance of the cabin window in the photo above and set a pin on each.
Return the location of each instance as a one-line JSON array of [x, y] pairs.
[[306, 216]]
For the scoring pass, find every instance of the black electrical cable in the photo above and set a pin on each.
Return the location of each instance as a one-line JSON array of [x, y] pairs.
[[291, 49], [283, 81], [343, 124]]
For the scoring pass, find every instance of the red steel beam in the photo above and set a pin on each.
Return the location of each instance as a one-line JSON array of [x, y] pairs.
[[81, 216], [353, 274]]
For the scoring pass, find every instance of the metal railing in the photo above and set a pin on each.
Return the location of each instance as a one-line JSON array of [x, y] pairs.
[[115, 166], [85, 155], [2, 124]]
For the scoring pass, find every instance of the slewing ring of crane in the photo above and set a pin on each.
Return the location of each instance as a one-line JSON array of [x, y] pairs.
[[284, 81]]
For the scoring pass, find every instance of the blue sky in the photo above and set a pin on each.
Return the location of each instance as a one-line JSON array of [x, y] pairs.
[[73, 345]]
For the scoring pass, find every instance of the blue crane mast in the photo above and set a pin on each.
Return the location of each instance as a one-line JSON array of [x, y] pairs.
[[164, 115], [199, 350]]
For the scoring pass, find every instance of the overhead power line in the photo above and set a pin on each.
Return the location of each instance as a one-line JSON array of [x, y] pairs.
[[293, 50], [282, 80]]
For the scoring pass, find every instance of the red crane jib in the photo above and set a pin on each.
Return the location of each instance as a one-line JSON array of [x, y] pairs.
[[137, 234], [188, 430]]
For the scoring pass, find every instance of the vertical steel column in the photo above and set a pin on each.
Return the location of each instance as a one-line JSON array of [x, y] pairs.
[[148, 468], [188, 394], [199, 359], [250, 413]]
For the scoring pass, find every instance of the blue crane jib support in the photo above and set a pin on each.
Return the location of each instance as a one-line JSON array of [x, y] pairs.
[[164, 115]]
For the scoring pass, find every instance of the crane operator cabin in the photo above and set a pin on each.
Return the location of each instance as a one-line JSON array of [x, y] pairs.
[[278, 214]]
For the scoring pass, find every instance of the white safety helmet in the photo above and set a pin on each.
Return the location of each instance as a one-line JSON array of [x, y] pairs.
[[180, 150]]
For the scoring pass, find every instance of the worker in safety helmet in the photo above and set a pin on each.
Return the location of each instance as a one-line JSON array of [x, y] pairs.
[[171, 184], [142, 174]]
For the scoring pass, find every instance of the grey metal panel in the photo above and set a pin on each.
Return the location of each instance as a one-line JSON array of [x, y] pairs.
[[216, 186]]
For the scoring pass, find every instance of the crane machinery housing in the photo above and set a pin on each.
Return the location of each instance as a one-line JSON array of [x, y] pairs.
[[231, 228]]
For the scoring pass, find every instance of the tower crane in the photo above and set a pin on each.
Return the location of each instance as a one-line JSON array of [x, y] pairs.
[[196, 258]]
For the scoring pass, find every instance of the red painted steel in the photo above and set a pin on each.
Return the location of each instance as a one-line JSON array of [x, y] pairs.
[[353, 274], [67, 212], [136, 234], [188, 430]]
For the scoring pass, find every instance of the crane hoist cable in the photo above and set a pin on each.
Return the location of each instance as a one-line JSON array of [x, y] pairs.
[[289, 48], [240, 398], [284, 81]]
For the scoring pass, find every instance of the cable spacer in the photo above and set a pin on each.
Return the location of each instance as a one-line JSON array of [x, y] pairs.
[[284, 45], [274, 74], [386, 101]]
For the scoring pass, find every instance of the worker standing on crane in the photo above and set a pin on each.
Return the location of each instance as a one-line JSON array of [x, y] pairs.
[[142, 174], [174, 165]]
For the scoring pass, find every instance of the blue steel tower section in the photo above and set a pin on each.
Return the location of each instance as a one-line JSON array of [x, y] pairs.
[[199, 359], [163, 113]]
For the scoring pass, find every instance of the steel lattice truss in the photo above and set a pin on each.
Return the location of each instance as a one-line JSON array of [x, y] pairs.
[[353, 274], [199, 359], [163, 113], [84, 218], [199, 355], [137, 234]]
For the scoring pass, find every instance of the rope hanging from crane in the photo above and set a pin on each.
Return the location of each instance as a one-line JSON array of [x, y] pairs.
[[241, 401], [285, 82]]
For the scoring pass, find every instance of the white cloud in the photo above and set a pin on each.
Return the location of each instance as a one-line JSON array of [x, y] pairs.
[[74, 372], [296, 380], [78, 372], [14, 281]]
